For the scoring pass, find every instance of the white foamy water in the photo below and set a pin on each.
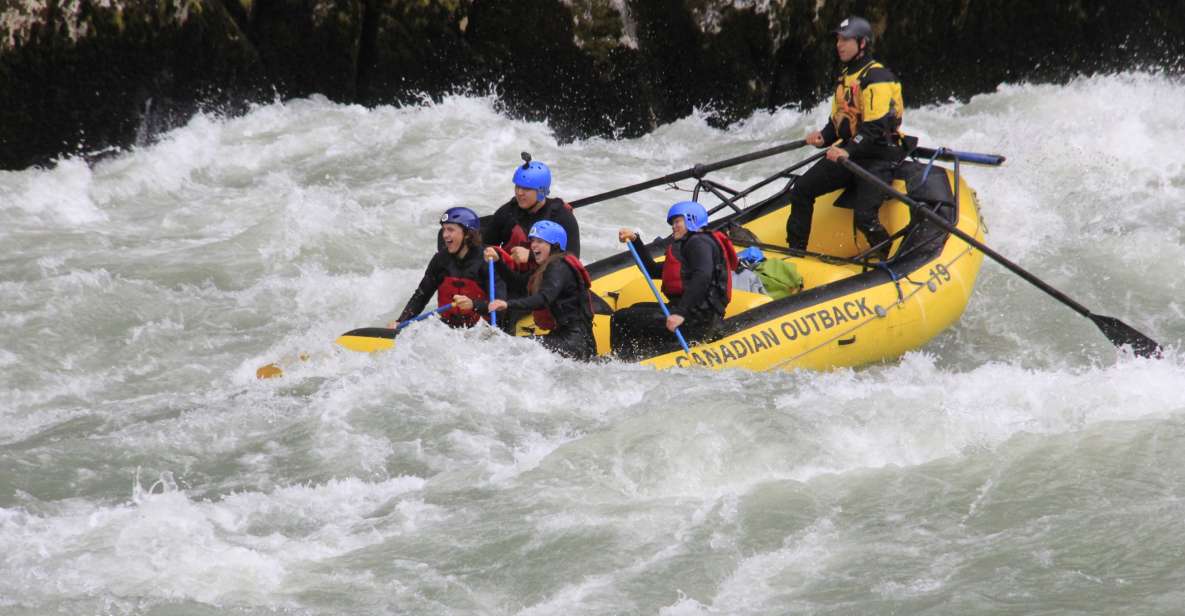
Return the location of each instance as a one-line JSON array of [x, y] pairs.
[[1017, 464]]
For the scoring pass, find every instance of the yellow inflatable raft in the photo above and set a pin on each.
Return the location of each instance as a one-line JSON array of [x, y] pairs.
[[852, 310]]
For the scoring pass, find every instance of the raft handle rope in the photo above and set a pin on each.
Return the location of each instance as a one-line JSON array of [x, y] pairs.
[[930, 165], [896, 280]]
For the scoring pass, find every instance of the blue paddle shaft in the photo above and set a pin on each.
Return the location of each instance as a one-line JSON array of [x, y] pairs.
[[657, 296], [422, 316], [493, 315]]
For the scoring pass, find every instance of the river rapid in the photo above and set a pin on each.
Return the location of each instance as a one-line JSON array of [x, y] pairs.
[[1016, 464]]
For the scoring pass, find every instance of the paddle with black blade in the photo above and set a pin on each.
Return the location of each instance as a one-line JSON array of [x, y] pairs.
[[1118, 332], [694, 172]]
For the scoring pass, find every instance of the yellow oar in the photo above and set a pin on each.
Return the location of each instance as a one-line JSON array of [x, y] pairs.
[[364, 340]]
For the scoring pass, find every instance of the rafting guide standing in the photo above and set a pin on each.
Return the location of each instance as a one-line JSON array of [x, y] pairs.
[[866, 115]]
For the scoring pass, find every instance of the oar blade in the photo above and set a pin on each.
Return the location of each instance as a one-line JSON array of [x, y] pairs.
[[1122, 334], [367, 339]]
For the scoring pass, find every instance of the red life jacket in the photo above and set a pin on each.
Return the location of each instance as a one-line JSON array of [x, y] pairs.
[[518, 237], [454, 285], [543, 316], [672, 269]]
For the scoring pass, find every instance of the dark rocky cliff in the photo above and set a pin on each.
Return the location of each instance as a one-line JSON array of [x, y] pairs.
[[81, 76]]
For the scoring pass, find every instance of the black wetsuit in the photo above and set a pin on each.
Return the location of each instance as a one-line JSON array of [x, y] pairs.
[[564, 293]]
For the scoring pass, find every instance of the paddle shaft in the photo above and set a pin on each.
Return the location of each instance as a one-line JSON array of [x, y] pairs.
[[490, 271], [657, 295], [1112, 328], [421, 317], [694, 172]]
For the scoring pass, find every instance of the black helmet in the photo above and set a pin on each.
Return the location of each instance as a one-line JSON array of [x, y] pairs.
[[854, 28]]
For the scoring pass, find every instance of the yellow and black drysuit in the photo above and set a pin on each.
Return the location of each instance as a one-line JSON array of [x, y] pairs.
[[866, 115]]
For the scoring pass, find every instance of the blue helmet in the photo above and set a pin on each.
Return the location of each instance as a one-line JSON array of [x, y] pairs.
[[694, 214], [534, 175], [751, 255], [461, 216], [550, 232]]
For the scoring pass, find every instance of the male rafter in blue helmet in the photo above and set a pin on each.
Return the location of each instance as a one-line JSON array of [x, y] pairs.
[[507, 228], [457, 273], [557, 294], [531, 176], [509, 225], [696, 279], [866, 114]]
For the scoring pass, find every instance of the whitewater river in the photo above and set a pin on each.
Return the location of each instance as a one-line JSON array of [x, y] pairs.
[[1017, 464]]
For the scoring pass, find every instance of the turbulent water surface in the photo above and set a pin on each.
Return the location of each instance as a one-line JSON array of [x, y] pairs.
[[1016, 464]]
